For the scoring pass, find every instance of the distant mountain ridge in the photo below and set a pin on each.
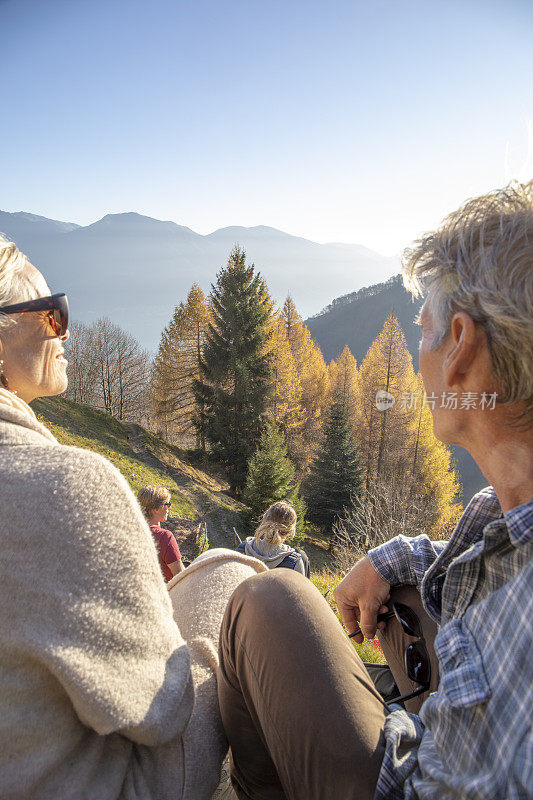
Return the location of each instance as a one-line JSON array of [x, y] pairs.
[[19, 222], [360, 294], [357, 318], [135, 269]]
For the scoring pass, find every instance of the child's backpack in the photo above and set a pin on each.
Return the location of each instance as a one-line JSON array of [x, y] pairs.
[[290, 561]]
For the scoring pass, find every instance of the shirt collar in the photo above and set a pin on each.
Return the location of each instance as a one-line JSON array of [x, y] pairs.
[[519, 521]]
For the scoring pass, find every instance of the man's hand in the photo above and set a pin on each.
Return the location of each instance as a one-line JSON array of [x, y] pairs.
[[360, 597]]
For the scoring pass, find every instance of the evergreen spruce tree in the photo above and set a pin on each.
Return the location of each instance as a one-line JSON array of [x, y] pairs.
[[336, 476], [271, 477], [234, 389]]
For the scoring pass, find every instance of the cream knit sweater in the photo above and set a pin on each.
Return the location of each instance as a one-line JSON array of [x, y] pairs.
[[97, 694]]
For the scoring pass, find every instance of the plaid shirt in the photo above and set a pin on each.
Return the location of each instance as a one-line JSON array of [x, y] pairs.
[[473, 738]]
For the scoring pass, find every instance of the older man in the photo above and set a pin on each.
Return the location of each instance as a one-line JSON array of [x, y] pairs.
[[300, 711]]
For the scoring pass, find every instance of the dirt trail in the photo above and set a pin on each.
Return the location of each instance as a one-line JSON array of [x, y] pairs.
[[216, 508]]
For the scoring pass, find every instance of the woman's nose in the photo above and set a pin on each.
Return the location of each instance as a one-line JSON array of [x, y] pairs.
[[65, 336]]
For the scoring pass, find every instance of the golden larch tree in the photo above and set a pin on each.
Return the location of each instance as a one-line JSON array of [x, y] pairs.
[[395, 437], [286, 408], [177, 366], [314, 381], [432, 468], [343, 379], [386, 368]]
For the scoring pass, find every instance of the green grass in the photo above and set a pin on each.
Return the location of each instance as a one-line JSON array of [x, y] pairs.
[[325, 581], [178, 459], [81, 426]]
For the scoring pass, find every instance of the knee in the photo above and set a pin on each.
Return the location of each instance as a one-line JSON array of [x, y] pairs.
[[280, 580], [272, 595], [272, 587]]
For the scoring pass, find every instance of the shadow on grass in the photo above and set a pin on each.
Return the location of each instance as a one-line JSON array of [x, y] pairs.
[[86, 422]]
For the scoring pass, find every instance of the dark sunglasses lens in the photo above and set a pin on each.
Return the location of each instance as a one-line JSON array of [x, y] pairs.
[[417, 663], [62, 313], [408, 619]]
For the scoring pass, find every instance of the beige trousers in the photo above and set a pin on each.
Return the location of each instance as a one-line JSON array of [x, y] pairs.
[[301, 713]]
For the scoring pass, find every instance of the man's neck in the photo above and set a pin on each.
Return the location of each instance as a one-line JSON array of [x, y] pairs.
[[505, 457]]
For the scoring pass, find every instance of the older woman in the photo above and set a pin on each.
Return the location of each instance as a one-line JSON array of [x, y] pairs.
[[155, 502], [97, 682]]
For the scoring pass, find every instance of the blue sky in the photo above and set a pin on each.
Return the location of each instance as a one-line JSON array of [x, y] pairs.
[[360, 122]]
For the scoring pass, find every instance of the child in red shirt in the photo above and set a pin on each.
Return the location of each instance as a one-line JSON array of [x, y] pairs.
[[155, 503]]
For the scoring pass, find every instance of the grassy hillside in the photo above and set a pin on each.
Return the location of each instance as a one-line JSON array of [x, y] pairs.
[[196, 494], [145, 458], [80, 426]]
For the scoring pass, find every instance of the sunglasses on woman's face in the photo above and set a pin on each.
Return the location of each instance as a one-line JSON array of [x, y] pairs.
[[56, 305], [168, 503], [417, 663]]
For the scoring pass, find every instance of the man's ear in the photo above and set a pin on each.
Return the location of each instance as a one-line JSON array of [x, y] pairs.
[[463, 345]]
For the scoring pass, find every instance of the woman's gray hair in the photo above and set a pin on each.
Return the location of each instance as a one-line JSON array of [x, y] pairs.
[[480, 261], [14, 287]]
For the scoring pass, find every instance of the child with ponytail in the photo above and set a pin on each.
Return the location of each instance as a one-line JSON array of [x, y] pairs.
[[269, 542]]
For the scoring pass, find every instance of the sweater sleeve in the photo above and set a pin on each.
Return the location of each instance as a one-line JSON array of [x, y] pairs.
[[103, 619], [404, 559]]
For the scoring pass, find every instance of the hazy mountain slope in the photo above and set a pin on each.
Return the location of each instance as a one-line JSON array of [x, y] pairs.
[[22, 225], [356, 319], [135, 269]]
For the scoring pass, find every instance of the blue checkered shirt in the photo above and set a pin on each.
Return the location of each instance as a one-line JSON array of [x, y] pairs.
[[473, 738]]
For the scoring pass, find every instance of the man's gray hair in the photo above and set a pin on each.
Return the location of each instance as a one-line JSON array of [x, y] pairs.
[[13, 286], [480, 261]]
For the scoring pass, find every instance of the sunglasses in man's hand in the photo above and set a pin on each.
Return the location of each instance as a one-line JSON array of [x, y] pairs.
[[417, 663]]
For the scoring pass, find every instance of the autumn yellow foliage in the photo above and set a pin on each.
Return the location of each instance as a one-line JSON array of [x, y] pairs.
[[396, 441]]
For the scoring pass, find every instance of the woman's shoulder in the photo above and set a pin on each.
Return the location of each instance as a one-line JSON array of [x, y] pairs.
[[300, 551], [74, 470], [78, 459]]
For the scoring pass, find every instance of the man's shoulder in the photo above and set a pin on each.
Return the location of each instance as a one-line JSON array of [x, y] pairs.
[[487, 495]]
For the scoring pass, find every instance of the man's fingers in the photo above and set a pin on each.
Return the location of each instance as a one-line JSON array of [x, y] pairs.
[[351, 621], [368, 622], [349, 615], [361, 587]]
